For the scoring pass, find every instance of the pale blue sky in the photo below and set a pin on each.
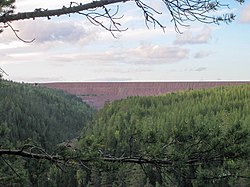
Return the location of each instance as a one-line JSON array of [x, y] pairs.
[[71, 49]]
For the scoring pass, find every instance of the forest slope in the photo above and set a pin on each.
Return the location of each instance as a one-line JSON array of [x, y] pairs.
[[97, 94], [188, 138], [191, 138], [39, 117]]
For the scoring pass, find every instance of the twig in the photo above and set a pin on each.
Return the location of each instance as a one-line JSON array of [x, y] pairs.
[[2, 71], [149, 16], [5, 161], [94, 17], [15, 32]]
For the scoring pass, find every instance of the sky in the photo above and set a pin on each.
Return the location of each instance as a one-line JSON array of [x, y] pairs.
[[71, 49]]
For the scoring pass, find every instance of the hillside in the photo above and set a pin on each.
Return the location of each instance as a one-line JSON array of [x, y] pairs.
[[41, 114], [191, 138], [35, 119], [187, 138], [96, 94]]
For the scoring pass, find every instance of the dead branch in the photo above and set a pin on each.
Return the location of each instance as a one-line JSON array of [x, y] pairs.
[[10, 166], [60, 159], [2, 72], [92, 16], [56, 12], [148, 13], [26, 154], [37, 153], [15, 32], [181, 12], [96, 18]]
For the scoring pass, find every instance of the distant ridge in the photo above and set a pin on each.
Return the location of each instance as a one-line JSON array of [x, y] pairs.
[[96, 94]]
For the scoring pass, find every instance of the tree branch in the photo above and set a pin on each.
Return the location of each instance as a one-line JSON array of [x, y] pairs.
[[56, 12], [26, 154], [181, 12], [3, 72], [81, 162], [15, 32], [9, 165], [56, 158]]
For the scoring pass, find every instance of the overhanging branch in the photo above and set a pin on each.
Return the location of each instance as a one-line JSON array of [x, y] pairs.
[[57, 12], [60, 159], [181, 13], [39, 154], [26, 154]]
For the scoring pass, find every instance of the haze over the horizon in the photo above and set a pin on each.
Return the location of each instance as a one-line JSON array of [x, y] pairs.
[[70, 49]]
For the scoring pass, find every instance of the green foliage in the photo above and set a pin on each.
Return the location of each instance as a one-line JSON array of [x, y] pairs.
[[45, 116], [204, 134], [6, 7], [37, 116], [6, 3]]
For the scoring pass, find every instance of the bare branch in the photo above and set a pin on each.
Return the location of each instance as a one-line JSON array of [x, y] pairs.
[[181, 11], [57, 158], [148, 15], [159, 164], [9, 165], [26, 154], [95, 18], [15, 32], [3, 72], [57, 12]]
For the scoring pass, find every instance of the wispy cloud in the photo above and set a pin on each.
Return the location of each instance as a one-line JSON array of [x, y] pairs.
[[190, 37], [112, 79], [47, 31], [245, 14], [33, 79], [202, 54], [200, 69], [127, 70], [158, 54], [193, 69], [142, 54], [29, 5], [12, 45]]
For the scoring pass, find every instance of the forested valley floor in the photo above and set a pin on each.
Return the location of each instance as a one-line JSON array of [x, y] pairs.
[[188, 138]]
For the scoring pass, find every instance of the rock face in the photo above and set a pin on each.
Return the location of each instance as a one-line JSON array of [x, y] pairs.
[[96, 94]]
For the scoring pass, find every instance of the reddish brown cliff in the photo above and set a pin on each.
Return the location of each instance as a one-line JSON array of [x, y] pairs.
[[97, 94]]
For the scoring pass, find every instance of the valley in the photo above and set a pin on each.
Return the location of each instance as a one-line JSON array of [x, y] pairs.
[[96, 94]]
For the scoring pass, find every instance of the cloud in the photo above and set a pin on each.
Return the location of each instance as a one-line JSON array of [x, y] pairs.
[[200, 69], [33, 79], [142, 55], [188, 37], [158, 54], [111, 79], [125, 70], [193, 69], [245, 14], [12, 45], [202, 54], [49, 31], [12, 57], [29, 5]]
